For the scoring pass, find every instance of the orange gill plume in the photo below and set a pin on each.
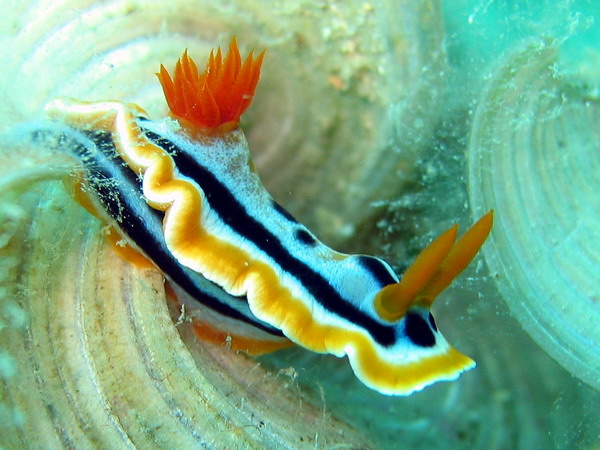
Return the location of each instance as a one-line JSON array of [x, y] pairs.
[[212, 101], [433, 270]]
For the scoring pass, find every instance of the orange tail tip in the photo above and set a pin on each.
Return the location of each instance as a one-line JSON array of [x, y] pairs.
[[213, 100]]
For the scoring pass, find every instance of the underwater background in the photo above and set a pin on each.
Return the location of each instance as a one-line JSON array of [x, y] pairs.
[[378, 125]]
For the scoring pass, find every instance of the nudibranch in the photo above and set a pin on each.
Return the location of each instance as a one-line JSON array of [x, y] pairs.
[[182, 196]]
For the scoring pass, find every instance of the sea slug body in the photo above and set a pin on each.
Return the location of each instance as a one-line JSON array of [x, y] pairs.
[[186, 199]]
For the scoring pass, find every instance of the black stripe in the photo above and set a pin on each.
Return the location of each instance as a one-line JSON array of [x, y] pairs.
[[117, 198], [305, 237], [417, 330], [284, 212], [233, 213], [377, 269]]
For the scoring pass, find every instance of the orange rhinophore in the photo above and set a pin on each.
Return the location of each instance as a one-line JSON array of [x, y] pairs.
[[214, 100], [433, 270]]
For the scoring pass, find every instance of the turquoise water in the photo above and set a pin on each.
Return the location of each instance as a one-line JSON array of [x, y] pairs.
[[518, 396]]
